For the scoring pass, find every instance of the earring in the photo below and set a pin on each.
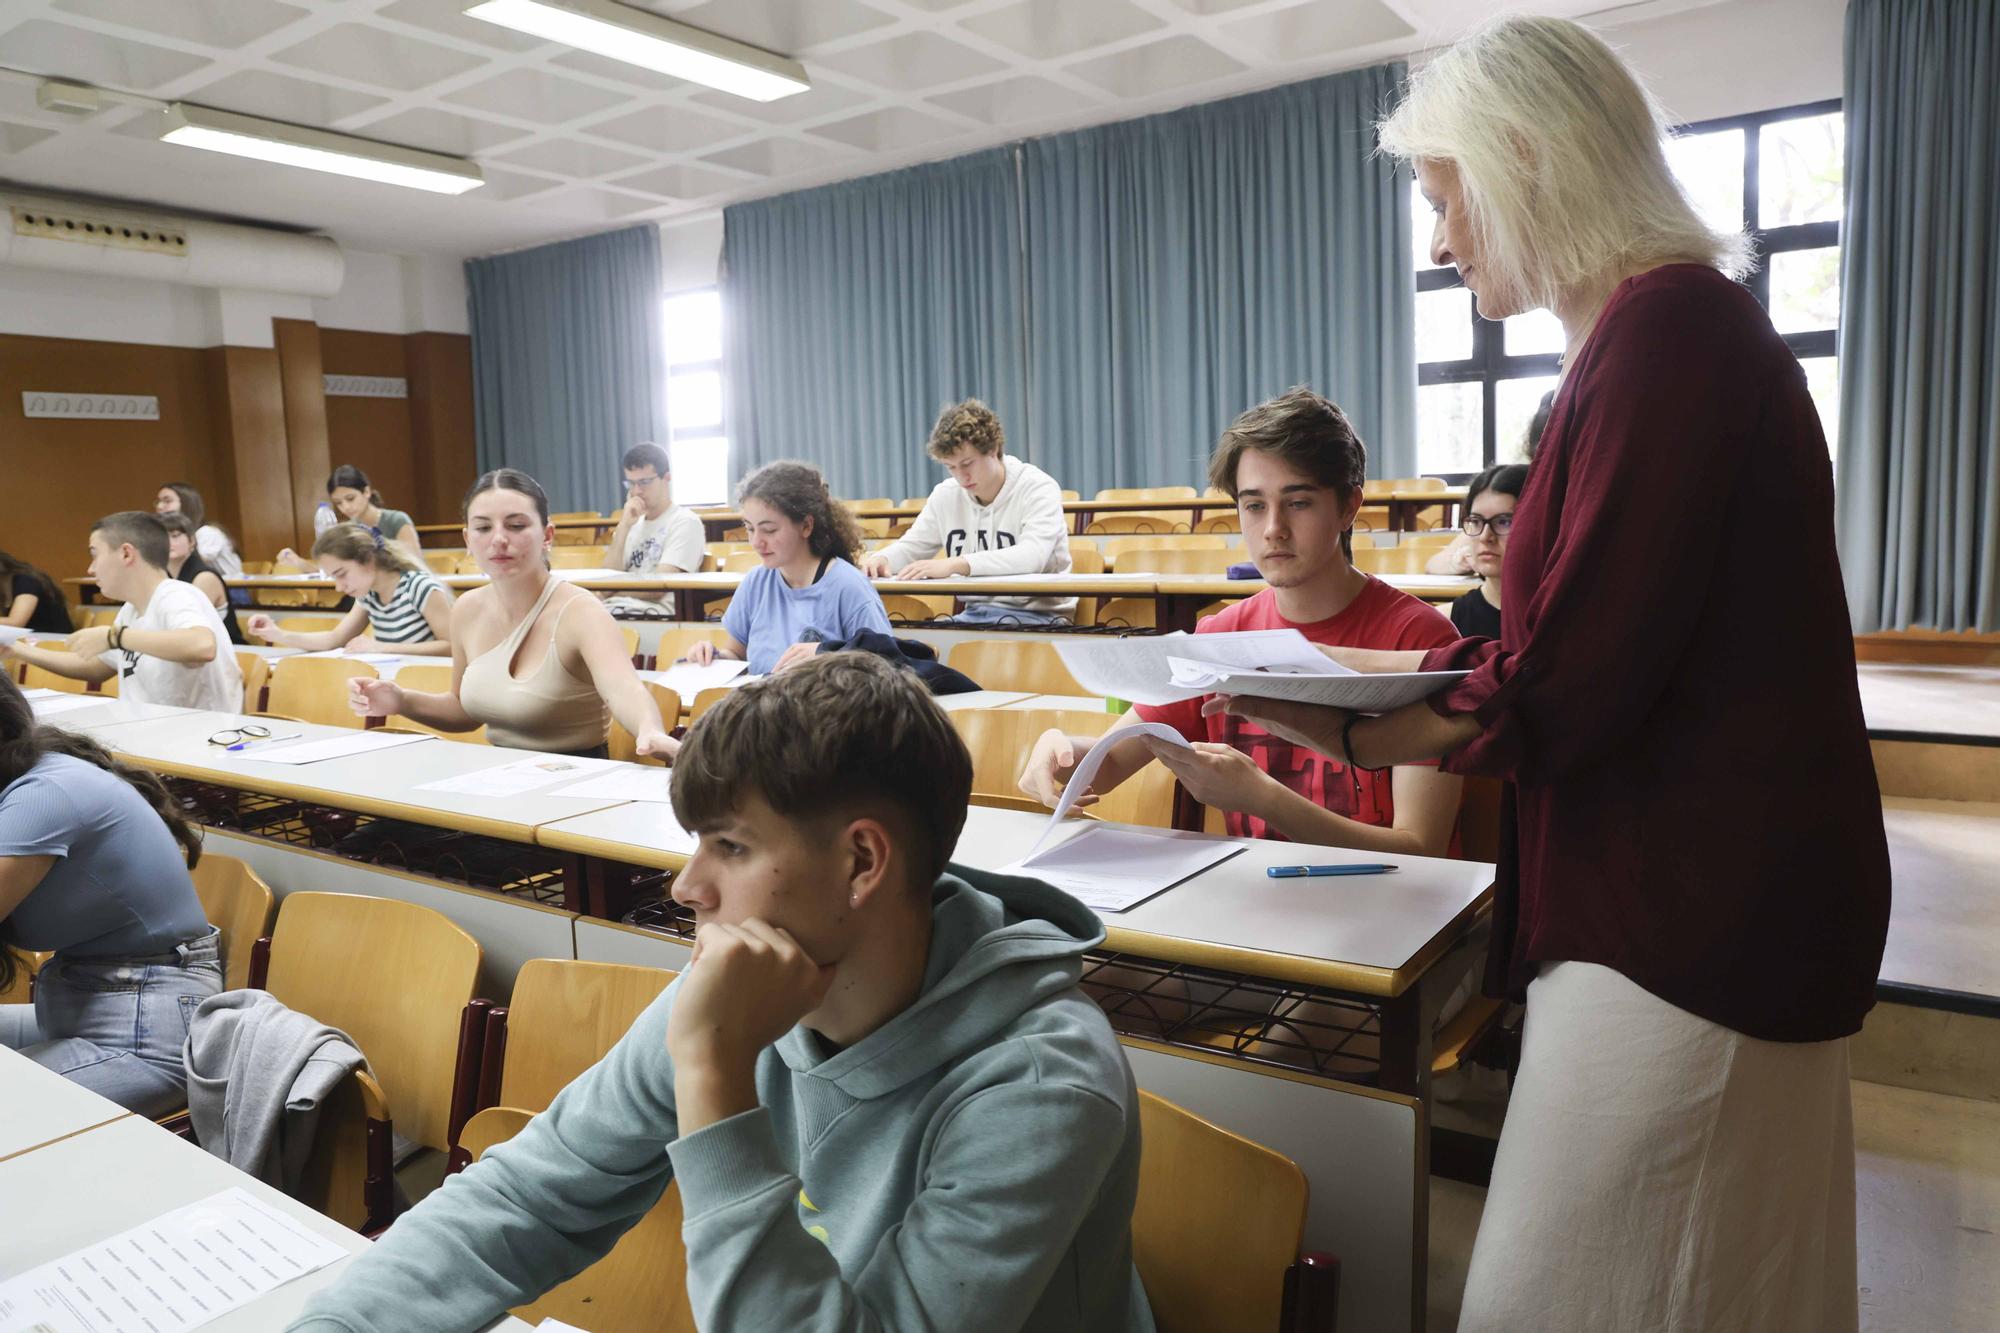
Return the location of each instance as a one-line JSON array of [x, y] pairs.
[[854, 900]]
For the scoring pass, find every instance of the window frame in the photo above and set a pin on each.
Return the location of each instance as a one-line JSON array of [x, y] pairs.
[[1489, 363]]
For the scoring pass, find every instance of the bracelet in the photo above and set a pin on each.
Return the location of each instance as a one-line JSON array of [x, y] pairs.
[[117, 639], [1347, 744]]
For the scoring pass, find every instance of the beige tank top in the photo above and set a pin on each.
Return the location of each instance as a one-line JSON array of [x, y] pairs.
[[548, 709]]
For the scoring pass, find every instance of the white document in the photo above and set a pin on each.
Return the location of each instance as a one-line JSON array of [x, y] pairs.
[[55, 701], [1358, 692], [523, 775], [176, 1272], [1109, 868], [687, 680], [39, 692], [1272, 664], [649, 786], [1086, 768], [361, 657], [336, 747], [9, 633]]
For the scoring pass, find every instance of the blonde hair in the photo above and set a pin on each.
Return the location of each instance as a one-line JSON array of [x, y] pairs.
[[1560, 158], [352, 541]]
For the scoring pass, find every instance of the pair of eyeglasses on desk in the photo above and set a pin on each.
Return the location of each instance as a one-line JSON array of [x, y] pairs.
[[238, 735]]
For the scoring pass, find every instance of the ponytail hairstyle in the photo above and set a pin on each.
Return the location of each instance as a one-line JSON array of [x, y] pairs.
[[24, 742], [12, 568], [364, 545], [507, 479], [799, 492]]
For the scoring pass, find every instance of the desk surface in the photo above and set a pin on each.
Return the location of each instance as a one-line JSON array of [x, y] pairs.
[[1944, 858], [119, 1175], [110, 713], [1905, 698], [381, 783], [43, 1107], [1372, 934]]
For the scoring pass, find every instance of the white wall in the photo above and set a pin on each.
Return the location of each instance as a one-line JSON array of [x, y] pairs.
[[46, 304], [397, 294], [690, 252], [1743, 56]]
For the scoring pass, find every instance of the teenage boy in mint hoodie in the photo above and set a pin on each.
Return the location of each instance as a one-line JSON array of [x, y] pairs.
[[887, 1103]]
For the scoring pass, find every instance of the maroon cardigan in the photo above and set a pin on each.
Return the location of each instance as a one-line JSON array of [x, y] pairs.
[[1673, 694]]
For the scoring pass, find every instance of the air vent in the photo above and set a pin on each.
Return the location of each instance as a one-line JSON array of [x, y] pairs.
[[69, 225]]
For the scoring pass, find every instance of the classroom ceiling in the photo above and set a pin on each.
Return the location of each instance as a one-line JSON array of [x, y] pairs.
[[572, 143]]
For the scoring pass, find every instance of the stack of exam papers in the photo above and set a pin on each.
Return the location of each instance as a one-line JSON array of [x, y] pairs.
[[1273, 664]]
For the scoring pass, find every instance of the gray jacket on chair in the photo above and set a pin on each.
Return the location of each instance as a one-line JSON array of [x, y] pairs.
[[256, 1076]]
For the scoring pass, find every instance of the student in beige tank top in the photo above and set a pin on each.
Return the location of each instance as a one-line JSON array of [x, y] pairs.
[[534, 660]]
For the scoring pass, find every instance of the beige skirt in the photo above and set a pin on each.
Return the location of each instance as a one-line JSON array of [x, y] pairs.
[[1661, 1172]]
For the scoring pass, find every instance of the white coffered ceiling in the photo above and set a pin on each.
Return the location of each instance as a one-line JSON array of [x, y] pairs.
[[572, 142]]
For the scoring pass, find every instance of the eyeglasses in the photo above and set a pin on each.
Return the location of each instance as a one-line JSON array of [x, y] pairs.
[[636, 482], [1475, 525], [237, 735]]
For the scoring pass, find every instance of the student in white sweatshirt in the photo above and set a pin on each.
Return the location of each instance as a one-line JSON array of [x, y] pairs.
[[992, 515]]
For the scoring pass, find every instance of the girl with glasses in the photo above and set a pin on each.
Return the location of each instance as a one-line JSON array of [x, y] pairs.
[[1489, 514]]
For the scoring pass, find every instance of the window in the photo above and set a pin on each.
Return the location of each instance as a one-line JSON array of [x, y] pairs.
[[697, 443], [1776, 175]]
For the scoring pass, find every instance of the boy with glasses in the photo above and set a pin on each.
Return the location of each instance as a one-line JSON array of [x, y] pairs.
[[654, 535]]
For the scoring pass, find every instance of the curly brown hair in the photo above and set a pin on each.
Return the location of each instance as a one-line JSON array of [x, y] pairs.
[[799, 492], [970, 424]]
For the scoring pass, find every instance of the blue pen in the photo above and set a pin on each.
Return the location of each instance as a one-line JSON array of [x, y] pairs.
[[1316, 872]]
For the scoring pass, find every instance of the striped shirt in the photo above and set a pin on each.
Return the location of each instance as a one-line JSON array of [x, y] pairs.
[[401, 618]]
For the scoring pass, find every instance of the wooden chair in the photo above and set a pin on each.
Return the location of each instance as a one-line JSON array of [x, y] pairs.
[[1160, 523], [1128, 612], [563, 1018], [398, 979], [1116, 548], [314, 689], [906, 609], [443, 562], [432, 678], [706, 700], [1000, 738], [1178, 520], [737, 562], [309, 624], [1013, 664], [675, 640], [466, 564], [1217, 1228], [256, 671], [576, 557], [1226, 520], [632, 645], [1085, 557], [1177, 560], [575, 536], [40, 678], [1404, 559], [237, 902], [624, 745]]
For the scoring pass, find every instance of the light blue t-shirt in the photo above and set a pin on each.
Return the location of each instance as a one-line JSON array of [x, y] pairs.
[[768, 616], [119, 885]]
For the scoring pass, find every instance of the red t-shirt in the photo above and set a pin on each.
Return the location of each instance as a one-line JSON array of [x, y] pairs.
[[1380, 617]]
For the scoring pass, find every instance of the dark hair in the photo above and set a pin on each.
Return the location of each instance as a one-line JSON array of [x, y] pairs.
[[799, 492], [1303, 430], [12, 568], [358, 542], [834, 736], [1506, 478], [1539, 423], [645, 454], [191, 504], [508, 479], [24, 742], [180, 523], [136, 528], [970, 424], [351, 477]]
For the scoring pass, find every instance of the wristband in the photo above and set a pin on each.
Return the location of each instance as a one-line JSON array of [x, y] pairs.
[[117, 639], [1347, 744]]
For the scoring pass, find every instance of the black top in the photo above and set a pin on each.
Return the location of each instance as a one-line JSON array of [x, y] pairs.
[[196, 565], [51, 613], [1474, 617]]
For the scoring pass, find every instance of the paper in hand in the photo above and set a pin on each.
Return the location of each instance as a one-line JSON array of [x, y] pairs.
[[1085, 772]]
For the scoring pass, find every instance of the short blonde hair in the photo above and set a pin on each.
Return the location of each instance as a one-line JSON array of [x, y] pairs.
[[1559, 153]]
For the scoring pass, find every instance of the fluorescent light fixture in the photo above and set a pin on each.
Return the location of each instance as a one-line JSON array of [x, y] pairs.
[[639, 38], [318, 150]]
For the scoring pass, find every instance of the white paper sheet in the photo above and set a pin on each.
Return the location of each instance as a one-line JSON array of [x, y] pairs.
[[1362, 693], [687, 680], [523, 775], [650, 786], [361, 657], [1109, 868], [174, 1273], [57, 702], [40, 692], [1086, 768], [9, 633], [1272, 664], [336, 747]]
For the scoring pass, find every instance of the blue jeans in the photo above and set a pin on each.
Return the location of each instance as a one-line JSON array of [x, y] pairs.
[[117, 1025], [996, 613]]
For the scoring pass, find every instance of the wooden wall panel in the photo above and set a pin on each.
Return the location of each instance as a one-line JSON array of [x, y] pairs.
[[251, 457], [300, 369], [441, 421], [60, 476], [373, 434]]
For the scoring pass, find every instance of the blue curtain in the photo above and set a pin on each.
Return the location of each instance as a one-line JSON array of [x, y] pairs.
[[855, 311], [1919, 458], [1186, 266], [567, 361]]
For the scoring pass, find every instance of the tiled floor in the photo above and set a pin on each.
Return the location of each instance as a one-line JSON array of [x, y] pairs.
[[1928, 1195]]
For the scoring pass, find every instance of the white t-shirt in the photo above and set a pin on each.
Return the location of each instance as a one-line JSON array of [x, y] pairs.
[[216, 684], [675, 538], [213, 545], [1023, 531]]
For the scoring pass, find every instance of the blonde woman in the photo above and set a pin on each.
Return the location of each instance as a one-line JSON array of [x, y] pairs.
[[402, 606], [1696, 894]]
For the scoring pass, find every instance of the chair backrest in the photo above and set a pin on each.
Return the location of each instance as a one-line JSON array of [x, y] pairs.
[[574, 536], [1128, 612], [309, 624], [631, 641], [239, 904], [577, 557], [563, 1018], [1013, 664], [256, 670], [1379, 488], [394, 976], [1000, 738], [314, 689], [905, 609], [432, 678], [1177, 560], [443, 562], [624, 745], [1148, 493], [1421, 484], [876, 502], [736, 562], [1114, 548], [1218, 1221], [39, 678], [1160, 523], [675, 640], [706, 700], [1085, 557]]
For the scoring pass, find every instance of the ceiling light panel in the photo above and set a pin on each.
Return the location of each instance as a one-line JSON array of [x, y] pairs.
[[317, 150], [640, 38]]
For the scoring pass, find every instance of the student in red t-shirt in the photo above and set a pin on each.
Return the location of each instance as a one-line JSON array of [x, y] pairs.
[[1295, 466]]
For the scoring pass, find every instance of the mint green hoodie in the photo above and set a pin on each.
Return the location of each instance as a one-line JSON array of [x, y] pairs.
[[970, 1165]]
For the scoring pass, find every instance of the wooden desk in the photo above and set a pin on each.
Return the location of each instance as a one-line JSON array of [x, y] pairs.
[[1179, 598], [122, 1174], [1404, 506], [43, 1107], [110, 713]]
